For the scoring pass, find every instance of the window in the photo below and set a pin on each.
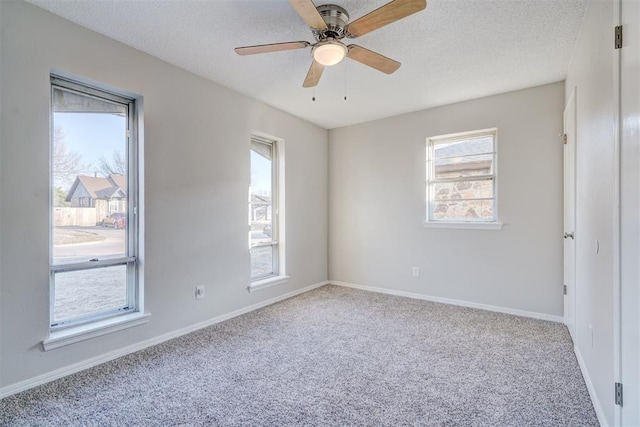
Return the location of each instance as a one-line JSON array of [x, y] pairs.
[[264, 213], [94, 236], [113, 206], [461, 178]]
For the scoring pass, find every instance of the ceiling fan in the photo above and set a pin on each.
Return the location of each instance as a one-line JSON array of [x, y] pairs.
[[330, 24]]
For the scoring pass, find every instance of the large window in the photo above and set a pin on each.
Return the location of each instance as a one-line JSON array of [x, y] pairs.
[[94, 201], [264, 214], [461, 178]]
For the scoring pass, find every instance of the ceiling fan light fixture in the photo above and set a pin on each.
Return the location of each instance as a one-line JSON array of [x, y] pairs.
[[329, 53]]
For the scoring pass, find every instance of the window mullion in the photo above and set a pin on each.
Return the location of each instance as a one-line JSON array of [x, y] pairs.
[[464, 200], [463, 156], [87, 265], [463, 179]]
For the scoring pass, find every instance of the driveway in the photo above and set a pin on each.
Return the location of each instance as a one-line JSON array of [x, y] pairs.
[[113, 245]]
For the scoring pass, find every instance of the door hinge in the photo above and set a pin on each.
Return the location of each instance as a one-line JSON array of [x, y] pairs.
[[618, 37], [619, 394], [564, 289], [564, 138]]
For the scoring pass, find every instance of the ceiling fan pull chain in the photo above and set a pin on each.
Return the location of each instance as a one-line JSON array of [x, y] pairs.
[[314, 94], [345, 80]]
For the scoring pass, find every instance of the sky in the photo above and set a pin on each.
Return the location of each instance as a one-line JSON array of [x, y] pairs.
[[93, 136], [260, 174]]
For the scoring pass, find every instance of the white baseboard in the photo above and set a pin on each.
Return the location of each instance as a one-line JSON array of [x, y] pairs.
[[94, 361], [592, 392], [523, 313]]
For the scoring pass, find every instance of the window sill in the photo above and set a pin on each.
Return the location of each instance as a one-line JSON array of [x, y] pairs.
[[267, 283], [465, 225], [91, 330]]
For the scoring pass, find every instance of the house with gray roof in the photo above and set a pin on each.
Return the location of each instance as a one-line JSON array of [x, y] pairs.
[[107, 195]]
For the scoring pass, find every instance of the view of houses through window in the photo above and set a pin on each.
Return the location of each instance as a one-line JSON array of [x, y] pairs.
[[461, 177], [93, 246], [263, 224]]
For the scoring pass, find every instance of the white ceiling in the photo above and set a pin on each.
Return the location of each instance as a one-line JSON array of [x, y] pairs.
[[452, 51]]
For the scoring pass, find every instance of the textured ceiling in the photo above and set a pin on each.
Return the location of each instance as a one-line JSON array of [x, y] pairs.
[[452, 51]]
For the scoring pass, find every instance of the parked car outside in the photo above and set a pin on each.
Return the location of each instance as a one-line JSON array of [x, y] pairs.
[[116, 220]]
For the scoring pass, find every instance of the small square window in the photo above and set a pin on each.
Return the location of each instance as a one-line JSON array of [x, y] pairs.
[[461, 178]]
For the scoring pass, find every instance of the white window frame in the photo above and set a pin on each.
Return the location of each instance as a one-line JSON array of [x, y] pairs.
[[68, 331], [475, 223], [278, 276]]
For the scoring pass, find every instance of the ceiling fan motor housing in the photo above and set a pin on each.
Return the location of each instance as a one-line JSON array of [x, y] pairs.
[[336, 19]]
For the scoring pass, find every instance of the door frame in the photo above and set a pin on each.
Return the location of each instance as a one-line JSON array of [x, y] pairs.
[[617, 280], [569, 154], [626, 290]]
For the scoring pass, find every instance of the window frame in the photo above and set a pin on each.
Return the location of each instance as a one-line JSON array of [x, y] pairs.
[[479, 223], [131, 259], [278, 275]]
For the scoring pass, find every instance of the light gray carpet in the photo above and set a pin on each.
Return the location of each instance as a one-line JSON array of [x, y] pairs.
[[333, 356]]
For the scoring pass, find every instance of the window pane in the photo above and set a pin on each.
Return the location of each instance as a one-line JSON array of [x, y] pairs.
[[459, 167], [461, 173], [464, 147], [89, 169], [462, 210], [263, 233], [261, 206], [82, 292], [481, 189], [262, 261]]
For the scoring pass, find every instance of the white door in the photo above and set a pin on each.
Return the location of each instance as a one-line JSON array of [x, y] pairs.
[[570, 214], [630, 213]]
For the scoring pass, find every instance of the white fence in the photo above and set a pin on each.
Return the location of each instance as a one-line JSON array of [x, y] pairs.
[[74, 216]]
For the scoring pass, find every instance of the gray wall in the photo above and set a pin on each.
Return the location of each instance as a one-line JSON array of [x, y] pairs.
[[377, 205], [196, 136]]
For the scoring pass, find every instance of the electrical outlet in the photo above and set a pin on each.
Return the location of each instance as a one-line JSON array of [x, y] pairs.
[[416, 271], [200, 292]]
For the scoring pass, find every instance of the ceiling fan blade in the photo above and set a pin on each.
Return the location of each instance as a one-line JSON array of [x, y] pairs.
[[372, 59], [390, 12], [308, 12], [314, 74], [266, 48]]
